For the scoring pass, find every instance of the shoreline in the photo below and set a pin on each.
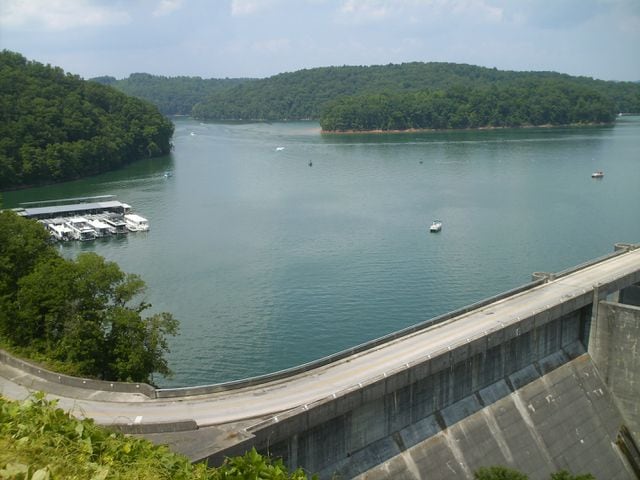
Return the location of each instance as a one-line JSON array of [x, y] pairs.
[[474, 129]]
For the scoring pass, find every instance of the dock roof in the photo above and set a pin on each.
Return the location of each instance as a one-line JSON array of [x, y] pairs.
[[74, 208]]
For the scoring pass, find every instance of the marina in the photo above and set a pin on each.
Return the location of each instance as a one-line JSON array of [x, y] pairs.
[[84, 218]]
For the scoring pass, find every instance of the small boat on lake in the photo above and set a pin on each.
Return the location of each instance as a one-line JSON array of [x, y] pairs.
[[436, 226], [136, 223], [598, 174], [279, 149]]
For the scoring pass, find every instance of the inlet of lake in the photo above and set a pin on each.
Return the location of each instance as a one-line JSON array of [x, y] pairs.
[[275, 245]]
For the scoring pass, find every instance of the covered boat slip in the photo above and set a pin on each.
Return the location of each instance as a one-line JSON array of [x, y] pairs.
[[74, 209], [84, 218]]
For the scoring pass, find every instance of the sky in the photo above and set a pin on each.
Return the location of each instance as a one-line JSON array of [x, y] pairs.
[[260, 38]]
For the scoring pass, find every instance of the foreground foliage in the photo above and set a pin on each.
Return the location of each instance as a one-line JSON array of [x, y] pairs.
[[56, 126], [81, 317], [41, 442], [504, 473]]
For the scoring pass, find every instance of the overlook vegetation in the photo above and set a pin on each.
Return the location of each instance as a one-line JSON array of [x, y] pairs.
[[55, 126], [82, 317], [39, 441]]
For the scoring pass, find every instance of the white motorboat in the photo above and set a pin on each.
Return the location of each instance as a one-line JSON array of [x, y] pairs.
[[598, 174], [436, 226], [117, 225], [80, 229], [136, 223], [60, 231], [101, 228]]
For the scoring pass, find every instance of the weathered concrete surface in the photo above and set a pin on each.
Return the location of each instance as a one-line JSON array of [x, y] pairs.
[[565, 419], [358, 430], [615, 348]]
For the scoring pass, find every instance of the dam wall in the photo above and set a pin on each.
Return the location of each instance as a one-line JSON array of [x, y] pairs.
[[528, 396], [615, 349], [540, 379], [565, 419], [364, 428]]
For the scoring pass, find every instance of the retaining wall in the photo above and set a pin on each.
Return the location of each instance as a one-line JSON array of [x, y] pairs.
[[358, 430], [615, 348]]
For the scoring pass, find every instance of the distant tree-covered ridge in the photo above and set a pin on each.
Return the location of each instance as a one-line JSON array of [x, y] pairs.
[[541, 102], [172, 95], [56, 126], [305, 94]]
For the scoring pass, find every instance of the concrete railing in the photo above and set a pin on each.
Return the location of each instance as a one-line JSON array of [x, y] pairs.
[[77, 382], [151, 392]]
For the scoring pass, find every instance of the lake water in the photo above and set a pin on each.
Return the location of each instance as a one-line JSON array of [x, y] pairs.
[[275, 257]]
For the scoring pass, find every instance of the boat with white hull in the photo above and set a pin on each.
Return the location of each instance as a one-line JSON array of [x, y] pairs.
[[136, 223]]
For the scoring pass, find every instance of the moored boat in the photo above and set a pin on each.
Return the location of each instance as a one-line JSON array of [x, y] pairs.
[[136, 223], [80, 228], [101, 228], [116, 223]]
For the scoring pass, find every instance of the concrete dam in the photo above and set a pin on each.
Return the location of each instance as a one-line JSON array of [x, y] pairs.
[[541, 378]]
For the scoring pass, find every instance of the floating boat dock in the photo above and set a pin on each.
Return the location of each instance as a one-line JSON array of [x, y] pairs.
[[84, 218]]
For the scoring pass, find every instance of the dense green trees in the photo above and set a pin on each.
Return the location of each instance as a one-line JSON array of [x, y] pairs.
[[305, 94], [172, 95], [543, 102], [82, 316], [55, 126]]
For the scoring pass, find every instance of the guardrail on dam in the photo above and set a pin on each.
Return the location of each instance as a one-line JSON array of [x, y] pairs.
[[540, 378], [372, 427]]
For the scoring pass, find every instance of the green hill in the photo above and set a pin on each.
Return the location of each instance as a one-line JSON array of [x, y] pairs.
[[540, 102], [172, 95], [56, 126], [305, 94]]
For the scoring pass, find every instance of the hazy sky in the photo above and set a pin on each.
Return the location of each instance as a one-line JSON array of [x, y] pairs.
[[259, 38]]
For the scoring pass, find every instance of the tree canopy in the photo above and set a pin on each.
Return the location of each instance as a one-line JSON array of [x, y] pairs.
[[305, 94], [539, 102], [56, 126], [83, 316], [172, 95]]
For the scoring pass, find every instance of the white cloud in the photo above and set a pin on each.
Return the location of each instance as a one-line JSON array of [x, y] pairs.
[[250, 7], [274, 45], [58, 14], [416, 11], [165, 7], [362, 11]]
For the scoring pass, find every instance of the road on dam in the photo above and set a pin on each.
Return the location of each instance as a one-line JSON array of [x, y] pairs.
[[271, 398]]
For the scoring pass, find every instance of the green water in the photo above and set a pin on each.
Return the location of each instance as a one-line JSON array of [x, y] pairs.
[[269, 262]]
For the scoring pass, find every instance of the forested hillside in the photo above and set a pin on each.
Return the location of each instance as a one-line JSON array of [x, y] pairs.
[[305, 94], [172, 95], [542, 102], [56, 126]]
